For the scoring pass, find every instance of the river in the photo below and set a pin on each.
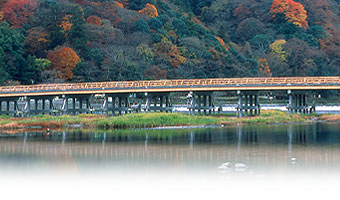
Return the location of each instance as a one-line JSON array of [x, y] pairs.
[[253, 150], [244, 162]]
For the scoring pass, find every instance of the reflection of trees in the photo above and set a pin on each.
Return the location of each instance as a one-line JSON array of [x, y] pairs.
[[249, 145]]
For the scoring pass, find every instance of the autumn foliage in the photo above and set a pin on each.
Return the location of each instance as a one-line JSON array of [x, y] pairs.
[[220, 40], [264, 67], [240, 12], [122, 3], [294, 12], [155, 73], [17, 12], [94, 20], [107, 10], [37, 40], [175, 57], [119, 4], [166, 50], [65, 24], [149, 10], [277, 48], [63, 60]]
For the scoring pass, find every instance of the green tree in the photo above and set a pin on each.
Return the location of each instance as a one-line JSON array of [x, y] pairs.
[[145, 52], [155, 23], [141, 25], [180, 26], [12, 62], [35, 67]]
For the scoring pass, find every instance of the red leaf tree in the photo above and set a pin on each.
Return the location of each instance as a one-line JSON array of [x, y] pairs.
[[18, 12]]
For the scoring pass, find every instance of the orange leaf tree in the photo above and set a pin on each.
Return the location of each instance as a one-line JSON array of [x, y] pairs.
[[294, 12], [220, 40], [149, 10], [119, 4], [264, 67], [63, 60], [94, 20], [17, 12], [65, 24], [167, 51]]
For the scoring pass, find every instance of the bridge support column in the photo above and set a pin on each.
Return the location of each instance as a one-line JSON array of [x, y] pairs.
[[5, 108], [15, 107], [36, 106], [7, 111], [119, 104], [27, 107], [126, 104], [158, 98], [298, 103], [52, 107], [248, 103], [67, 105], [88, 105], [161, 103], [113, 105], [49, 106], [105, 105], [202, 102], [43, 106], [74, 112], [81, 105], [167, 103], [83, 101]]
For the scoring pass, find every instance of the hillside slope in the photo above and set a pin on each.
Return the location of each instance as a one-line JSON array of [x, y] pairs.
[[104, 40]]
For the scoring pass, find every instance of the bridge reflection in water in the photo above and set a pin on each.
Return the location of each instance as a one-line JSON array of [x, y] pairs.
[[276, 147]]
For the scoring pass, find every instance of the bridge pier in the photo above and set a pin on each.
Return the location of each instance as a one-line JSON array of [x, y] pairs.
[[119, 104], [202, 102], [298, 102], [158, 102], [6, 110], [248, 103], [69, 105], [27, 109]]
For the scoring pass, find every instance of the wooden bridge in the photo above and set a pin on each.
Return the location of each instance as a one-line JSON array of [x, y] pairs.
[[156, 91]]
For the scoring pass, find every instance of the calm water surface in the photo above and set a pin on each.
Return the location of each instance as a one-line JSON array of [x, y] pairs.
[[247, 149]]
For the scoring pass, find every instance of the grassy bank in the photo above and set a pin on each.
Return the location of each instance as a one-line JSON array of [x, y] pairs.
[[145, 120], [273, 117], [137, 120]]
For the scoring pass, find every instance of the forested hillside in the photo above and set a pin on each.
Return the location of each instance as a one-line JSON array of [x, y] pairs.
[[104, 40]]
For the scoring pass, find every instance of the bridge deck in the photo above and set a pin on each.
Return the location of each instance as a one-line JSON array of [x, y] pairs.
[[183, 85]]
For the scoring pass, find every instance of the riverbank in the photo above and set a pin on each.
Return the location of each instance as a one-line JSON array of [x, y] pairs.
[[149, 120]]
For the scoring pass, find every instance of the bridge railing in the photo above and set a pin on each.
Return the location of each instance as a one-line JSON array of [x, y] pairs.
[[173, 83]]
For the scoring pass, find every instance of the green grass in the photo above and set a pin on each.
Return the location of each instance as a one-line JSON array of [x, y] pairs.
[[148, 120], [142, 120], [275, 116]]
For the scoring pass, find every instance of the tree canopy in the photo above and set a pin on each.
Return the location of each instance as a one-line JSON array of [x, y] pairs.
[[105, 40]]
